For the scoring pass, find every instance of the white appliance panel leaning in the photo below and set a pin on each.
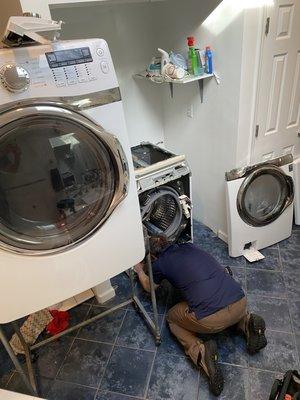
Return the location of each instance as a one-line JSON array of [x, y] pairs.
[[297, 190], [71, 217], [259, 205]]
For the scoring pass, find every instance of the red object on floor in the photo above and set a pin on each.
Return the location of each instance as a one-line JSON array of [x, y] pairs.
[[59, 323]]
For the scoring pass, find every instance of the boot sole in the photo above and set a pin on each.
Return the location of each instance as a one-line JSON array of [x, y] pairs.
[[257, 339], [216, 380]]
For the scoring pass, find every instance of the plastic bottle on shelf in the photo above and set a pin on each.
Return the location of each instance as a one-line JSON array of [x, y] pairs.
[[192, 57], [208, 61]]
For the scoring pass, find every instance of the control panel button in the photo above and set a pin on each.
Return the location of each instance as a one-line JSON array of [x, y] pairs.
[[14, 78], [92, 78], [72, 82], [60, 84], [104, 67], [82, 80], [100, 52]]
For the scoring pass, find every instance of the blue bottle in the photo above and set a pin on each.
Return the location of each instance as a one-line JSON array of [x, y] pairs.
[[208, 61]]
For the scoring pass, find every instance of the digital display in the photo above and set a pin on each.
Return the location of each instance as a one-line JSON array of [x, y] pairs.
[[63, 58]]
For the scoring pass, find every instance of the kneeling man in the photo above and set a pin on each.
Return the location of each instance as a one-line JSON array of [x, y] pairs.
[[213, 302]]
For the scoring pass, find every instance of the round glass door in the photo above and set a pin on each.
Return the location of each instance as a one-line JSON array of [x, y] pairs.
[[264, 195], [57, 182]]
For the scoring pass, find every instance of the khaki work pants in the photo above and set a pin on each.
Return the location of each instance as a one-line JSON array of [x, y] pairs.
[[185, 325]]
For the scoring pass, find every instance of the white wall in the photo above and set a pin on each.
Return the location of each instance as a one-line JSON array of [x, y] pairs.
[[210, 138], [131, 34]]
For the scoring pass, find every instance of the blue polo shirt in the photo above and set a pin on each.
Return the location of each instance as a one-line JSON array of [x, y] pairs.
[[204, 283]]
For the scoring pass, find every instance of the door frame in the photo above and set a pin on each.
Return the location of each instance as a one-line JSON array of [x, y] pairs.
[[253, 41]]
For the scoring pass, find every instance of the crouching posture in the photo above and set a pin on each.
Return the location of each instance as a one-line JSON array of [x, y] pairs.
[[213, 302]]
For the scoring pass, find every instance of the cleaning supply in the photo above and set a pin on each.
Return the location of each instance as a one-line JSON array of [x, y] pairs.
[[173, 72], [192, 57], [208, 61], [178, 60], [165, 58], [154, 68], [201, 62]]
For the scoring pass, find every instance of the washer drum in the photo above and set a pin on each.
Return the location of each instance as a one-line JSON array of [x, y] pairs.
[[162, 212]]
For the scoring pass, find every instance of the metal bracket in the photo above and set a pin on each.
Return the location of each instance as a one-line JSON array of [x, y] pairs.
[[171, 85]]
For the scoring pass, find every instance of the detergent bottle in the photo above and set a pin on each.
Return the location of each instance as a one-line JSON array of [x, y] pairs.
[[165, 59], [208, 61], [192, 57]]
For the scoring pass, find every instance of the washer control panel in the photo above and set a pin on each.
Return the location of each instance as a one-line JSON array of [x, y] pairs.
[[66, 68]]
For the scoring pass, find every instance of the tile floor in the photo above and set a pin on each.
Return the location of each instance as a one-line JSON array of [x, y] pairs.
[[116, 359]]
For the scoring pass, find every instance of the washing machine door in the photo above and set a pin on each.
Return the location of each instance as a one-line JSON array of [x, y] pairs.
[[264, 195], [61, 177]]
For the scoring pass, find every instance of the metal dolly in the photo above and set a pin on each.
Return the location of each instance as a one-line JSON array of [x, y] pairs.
[[29, 375]]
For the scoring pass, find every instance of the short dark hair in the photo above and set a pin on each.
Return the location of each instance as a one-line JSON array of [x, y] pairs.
[[157, 244]]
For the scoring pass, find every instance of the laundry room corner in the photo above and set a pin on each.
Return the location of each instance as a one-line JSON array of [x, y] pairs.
[[209, 136]]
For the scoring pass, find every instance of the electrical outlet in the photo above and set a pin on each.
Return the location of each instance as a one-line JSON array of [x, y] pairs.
[[190, 111]]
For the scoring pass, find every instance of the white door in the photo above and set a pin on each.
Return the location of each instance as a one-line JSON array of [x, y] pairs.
[[278, 105]]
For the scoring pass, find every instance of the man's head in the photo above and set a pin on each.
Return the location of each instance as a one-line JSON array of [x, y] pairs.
[[157, 244]]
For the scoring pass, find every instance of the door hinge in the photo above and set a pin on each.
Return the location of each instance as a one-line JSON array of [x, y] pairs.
[[267, 28], [256, 130]]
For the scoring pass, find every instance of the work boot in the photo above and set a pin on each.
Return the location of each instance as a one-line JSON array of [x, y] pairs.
[[209, 363], [255, 334]]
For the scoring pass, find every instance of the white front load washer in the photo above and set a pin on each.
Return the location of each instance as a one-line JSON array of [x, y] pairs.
[[259, 205], [69, 210], [297, 190]]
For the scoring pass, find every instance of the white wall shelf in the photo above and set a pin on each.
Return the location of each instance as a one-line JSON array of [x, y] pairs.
[[188, 79]]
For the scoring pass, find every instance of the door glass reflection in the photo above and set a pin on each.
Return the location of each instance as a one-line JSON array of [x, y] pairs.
[[57, 181]]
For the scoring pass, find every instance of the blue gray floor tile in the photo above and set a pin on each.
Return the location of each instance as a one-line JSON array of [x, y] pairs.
[[114, 396], [69, 391], [290, 260], [292, 243], [127, 371], [135, 333], [232, 348], [261, 383], [85, 363], [239, 275], [295, 314], [279, 355], [265, 283], [270, 262], [292, 282], [298, 344], [236, 386], [48, 359], [16, 384], [274, 311], [169, 343], [173, 378], [104, 329], [115, 358]]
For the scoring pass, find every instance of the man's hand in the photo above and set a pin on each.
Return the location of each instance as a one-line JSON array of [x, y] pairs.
[[143, 278], [139, 268]]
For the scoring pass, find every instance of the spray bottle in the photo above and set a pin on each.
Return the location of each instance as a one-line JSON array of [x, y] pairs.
[[208, 61], [192, 57]]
